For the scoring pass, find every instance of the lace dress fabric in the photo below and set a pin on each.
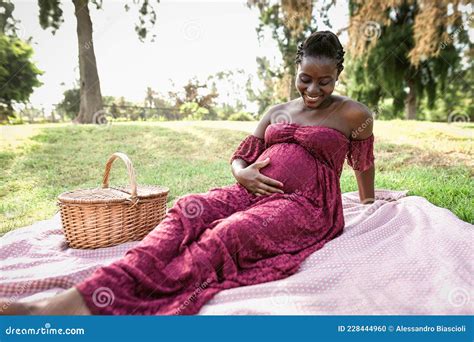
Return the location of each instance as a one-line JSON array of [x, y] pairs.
[[228, 237]]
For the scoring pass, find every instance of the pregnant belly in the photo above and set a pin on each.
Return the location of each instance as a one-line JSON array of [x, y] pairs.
[[290, 164]]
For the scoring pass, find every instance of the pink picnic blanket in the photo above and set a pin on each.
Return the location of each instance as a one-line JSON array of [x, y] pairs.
[[400, 255]]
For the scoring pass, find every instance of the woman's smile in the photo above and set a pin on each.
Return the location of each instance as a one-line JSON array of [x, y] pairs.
[[311, 101]]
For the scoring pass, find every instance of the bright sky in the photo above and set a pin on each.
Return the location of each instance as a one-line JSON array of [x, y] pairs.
[[193, 38]]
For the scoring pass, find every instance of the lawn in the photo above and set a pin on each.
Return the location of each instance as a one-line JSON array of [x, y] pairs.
[[433, 160]]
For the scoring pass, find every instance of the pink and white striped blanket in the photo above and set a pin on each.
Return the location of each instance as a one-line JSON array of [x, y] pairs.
[[400, 255]]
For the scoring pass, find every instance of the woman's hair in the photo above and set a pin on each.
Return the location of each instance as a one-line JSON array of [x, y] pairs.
[[322, 44]]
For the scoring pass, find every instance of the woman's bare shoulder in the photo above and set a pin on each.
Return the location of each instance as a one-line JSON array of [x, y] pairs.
[[359, 117], [277, 112]]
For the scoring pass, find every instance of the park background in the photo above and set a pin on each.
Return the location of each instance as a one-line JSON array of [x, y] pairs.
[[177, 84]]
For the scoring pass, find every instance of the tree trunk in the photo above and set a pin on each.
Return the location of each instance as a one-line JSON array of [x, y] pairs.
[[292, 91], [91, 97], [410, 101]]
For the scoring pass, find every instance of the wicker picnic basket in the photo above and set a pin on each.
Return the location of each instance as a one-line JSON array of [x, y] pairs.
[[108, 216]]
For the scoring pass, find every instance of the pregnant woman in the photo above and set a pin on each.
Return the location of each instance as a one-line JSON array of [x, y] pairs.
[[285, 205]]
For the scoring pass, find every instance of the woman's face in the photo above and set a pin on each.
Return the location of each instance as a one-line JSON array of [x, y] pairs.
[[315, 79]]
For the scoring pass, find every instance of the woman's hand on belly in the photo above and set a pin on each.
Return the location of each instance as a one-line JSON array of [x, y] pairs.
[[251, 179]]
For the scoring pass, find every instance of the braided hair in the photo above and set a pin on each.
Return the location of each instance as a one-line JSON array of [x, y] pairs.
[[322, 44]]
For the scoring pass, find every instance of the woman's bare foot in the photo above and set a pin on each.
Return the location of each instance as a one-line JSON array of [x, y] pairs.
[[69, 302], [8, 308]]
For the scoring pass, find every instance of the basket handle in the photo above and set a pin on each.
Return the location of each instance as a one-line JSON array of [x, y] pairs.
[[131, 172]]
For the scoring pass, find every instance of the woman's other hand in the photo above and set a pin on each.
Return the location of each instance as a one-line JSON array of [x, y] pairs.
[[258, 184]]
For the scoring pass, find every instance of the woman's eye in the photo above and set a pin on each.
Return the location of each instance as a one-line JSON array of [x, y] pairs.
[[304, 80], [324, 84]]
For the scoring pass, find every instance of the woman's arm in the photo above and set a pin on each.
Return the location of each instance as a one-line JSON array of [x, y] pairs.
[[244, 165], [362, 122], [365, 182], [239, 164]]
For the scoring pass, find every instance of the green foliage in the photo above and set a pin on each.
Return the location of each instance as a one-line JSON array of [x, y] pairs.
[[268, 96], [195, 91], [18, 74], [455, 102], [228, 85], [192, 111], [456, 105], [198, 100], [288, 27], [7, 22], [51, 14], [385, 71], [16, 121], [226, 110], [146, 18], [70, 103], [241, 116]]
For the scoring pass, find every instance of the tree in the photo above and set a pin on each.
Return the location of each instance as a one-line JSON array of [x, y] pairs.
[[50, 16], [7, 22], [195, 92], [70, 103], [18, 74], [270, 94], [411, 44], [192, 111], [149, 98], [228, 84], [289, 21]]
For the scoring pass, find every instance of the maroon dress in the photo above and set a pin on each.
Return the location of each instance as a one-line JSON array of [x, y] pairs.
[[229, 237]]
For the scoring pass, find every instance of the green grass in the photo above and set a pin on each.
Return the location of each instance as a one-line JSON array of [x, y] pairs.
[[41, 161]]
